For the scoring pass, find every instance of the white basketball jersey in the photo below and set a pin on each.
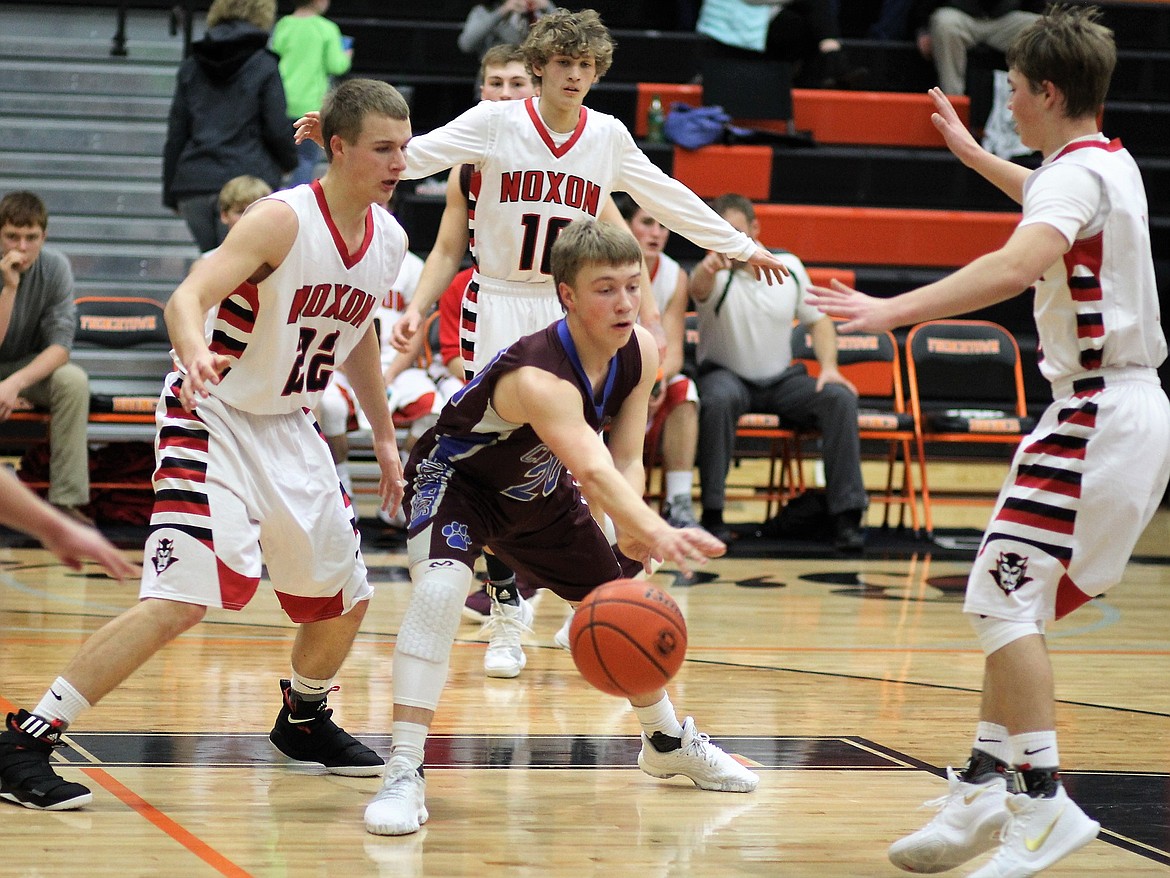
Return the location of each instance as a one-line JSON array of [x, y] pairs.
[[1098, 306], [532, 183], [664, 282], [285, 335]]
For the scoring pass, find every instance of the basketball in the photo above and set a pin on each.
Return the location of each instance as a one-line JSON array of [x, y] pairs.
[[628, 637]]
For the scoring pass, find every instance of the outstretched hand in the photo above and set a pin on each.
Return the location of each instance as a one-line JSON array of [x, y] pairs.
[[687, 547], [767, 266], [959, 140], [73, 543], [860, 312]]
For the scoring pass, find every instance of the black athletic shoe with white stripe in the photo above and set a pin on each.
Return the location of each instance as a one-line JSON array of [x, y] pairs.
[[26, 777], [305, 732]]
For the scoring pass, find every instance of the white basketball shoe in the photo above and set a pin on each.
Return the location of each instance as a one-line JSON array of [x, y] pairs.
[[1039, 832], [698, 759], [506, 627], [967, 824], [399, 808]]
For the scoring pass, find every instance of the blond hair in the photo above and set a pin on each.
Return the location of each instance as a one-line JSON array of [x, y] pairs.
[[261, 13], [239, 192]]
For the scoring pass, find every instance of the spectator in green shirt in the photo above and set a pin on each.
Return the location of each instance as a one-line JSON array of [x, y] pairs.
[[311, 51]]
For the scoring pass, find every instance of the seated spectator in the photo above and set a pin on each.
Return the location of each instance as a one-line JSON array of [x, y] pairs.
[[37, 322], [948, 29], [745, 365], [801, 32], [674, 401], [506, 22]]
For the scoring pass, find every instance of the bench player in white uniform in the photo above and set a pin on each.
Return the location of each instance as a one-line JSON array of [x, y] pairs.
[[240, 460], [1074, 503]]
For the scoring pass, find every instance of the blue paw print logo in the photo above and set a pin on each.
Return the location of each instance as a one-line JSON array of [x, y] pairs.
[[456, 534]]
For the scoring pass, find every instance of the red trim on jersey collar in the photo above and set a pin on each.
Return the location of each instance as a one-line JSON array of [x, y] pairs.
[[1113, 146], [542, 129], [349, 260]]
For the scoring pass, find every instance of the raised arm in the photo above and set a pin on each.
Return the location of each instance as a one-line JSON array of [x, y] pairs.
[[1007, 176], [994, 277]]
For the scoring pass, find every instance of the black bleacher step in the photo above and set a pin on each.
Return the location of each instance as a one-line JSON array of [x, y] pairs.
[[83, 108], [95, 197], [1142, 126], [91, 77], [71, 229], [83, 168], [96, 49], [130, 263], [31, 133]]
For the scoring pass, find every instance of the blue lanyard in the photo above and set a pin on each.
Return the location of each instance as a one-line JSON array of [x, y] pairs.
[[571, 349]]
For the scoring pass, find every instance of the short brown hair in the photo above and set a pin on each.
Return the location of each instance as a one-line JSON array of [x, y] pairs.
[[261, 13], [734, 201], [575, 34], [500, 56], [591, 242], [22, 209], [347, 106], [1069, 47], [239, 192]]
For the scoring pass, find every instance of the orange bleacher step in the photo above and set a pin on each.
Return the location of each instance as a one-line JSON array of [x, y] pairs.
[[883, 236]]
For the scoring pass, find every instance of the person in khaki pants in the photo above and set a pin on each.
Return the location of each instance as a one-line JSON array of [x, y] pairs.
[[37, 322]]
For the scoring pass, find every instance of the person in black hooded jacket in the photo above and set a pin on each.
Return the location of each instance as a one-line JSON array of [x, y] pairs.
[[227, 117]]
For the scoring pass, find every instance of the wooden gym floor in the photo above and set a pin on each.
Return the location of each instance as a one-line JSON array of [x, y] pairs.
[[848, 682]]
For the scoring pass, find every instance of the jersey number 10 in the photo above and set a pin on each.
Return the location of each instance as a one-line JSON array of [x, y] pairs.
[[531, 223]]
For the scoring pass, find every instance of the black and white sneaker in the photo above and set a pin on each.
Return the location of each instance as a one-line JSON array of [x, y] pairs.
[[26, 777], [679, 512], [305, 732]]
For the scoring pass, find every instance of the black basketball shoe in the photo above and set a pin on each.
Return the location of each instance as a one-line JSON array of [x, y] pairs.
[[26, 777], [305, 732]]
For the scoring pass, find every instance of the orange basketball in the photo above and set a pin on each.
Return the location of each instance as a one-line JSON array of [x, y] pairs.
[[628, 637]]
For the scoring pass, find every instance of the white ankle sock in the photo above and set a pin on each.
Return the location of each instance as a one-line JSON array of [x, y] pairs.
[[994, 740], [659, 718], [407, 742], [679, 482], [61, 702], [1035, 750]]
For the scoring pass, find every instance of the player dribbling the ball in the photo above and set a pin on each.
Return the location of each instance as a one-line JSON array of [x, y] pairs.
[[495, 469]]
